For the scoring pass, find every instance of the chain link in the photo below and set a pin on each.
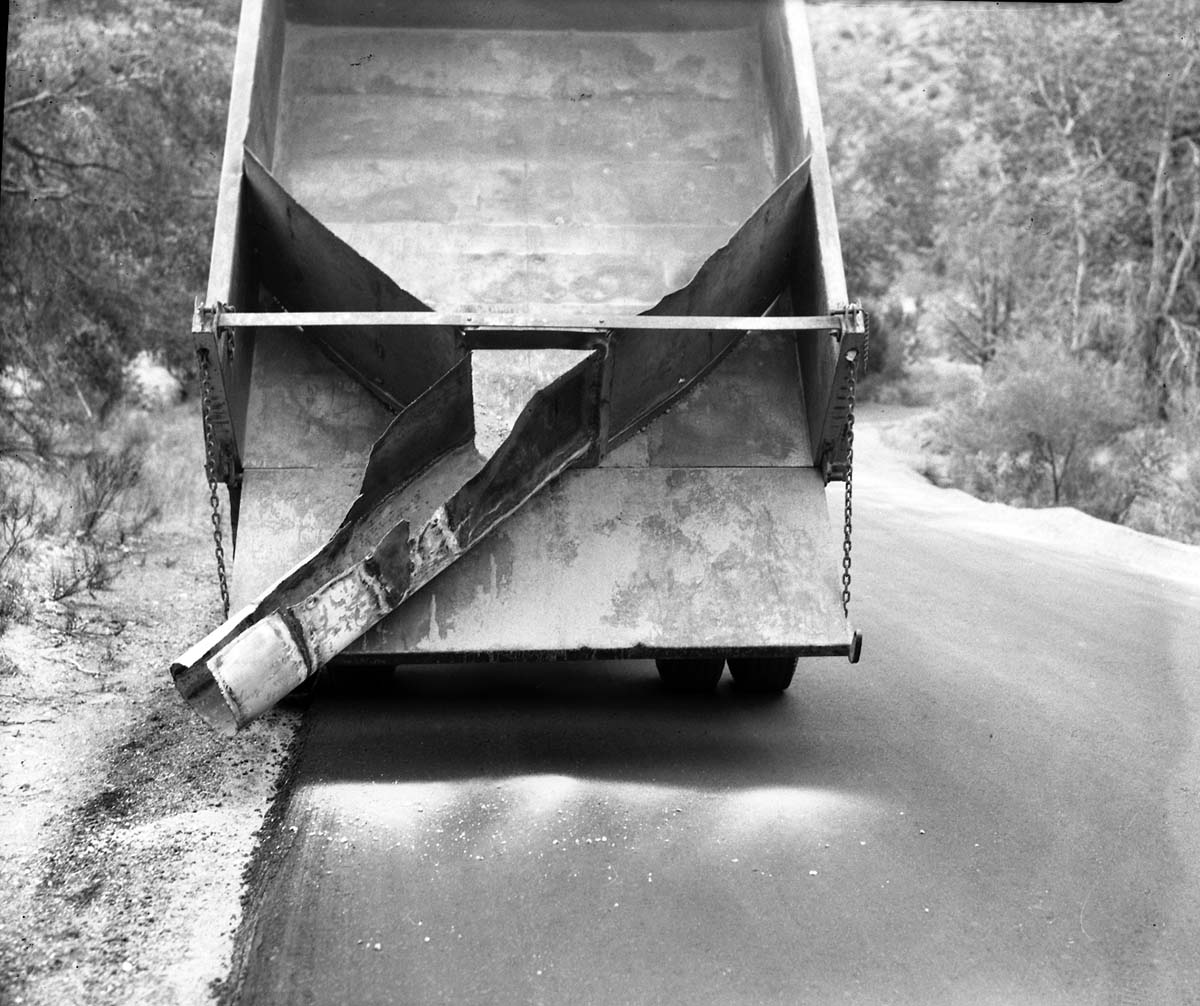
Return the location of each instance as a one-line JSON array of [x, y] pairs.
[[210, 454], [848, 527]]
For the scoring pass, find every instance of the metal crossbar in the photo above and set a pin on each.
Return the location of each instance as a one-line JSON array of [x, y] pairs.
[[511, 323]]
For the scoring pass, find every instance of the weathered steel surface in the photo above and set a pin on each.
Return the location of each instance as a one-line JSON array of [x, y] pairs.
[[422, 458], [748, 413], [819, 282], [253, 112], [303, 411], [524, 168], [644, 121], [258, 666], [305, 266], [617, 561], [578, 15], [562, 425], [309, 417], [744, 277], [564, 563], [289, 513]]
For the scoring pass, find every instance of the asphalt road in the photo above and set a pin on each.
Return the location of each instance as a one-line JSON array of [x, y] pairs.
[[999, 804]]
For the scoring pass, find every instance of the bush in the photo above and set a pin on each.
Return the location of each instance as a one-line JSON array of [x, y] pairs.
[[1035, 431], [1167, 502], [102, 491], [14, 606], [66, 521], [18, 525], [929, 382]]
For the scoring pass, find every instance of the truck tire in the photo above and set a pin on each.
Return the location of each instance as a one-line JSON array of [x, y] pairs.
[[692, 674], [764, 675]]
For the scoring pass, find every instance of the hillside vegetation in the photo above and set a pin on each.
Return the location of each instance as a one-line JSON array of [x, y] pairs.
[[114, 116], [1019, 189]]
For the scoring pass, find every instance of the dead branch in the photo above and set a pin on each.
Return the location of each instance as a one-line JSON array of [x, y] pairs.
[[1188, 241]]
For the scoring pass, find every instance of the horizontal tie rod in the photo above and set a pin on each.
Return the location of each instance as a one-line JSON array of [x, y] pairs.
[[512, 323]]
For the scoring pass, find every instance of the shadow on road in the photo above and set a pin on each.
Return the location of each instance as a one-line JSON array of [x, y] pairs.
[[597, 719]]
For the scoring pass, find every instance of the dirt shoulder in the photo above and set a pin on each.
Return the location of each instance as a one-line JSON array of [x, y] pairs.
[[125, 825]]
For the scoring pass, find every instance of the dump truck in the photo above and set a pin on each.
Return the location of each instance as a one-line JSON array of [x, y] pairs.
[[526, 336]]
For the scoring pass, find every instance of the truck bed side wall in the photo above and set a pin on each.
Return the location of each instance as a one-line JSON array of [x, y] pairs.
[[819, 281], [253, 113]]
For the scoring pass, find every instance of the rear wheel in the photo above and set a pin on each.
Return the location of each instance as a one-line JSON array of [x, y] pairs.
[[765, 675], [698, 674]]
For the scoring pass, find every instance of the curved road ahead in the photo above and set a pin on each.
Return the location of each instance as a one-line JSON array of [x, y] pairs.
[[999, 804]]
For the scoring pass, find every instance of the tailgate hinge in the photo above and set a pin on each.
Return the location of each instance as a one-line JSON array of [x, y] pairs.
[[214, 352], [852, 337]]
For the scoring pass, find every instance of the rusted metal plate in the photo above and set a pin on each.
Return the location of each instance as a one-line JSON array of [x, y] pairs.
[[612, 561]]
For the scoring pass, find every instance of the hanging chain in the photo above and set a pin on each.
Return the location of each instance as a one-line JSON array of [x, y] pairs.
[[848, 526], [210, 454], [852, 382]]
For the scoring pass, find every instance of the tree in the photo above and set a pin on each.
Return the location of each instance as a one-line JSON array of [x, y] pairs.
[[1039, 416], [1096, 115], [113, 123], [887, 138]]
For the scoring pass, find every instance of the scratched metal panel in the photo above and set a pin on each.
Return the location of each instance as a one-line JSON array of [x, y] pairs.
[[609, 560]]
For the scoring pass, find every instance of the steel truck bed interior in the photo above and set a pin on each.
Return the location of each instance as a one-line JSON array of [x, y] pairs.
[[540, 159]]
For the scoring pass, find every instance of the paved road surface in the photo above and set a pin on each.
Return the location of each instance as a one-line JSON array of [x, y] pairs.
[[999, 804]]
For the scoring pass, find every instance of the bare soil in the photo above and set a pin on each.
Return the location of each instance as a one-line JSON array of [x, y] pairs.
[[126, 826]]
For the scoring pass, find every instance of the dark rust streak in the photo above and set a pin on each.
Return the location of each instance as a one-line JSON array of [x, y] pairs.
[[299, 638]]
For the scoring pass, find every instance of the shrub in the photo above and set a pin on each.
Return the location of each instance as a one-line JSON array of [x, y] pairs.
[[88, 567], [14, 605], [1030, 432], [107, 501], [104, 479], [18, 524], [926, 383], [1169, 505]]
